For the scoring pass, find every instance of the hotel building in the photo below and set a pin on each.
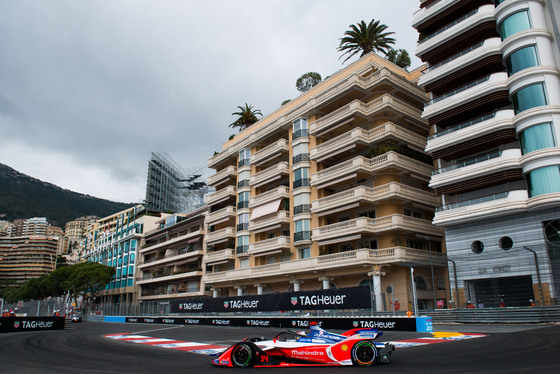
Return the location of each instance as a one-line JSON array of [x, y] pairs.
[[494, 116], [330, 191]]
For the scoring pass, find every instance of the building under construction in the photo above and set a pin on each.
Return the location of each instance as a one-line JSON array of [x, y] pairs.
[[170, 188]]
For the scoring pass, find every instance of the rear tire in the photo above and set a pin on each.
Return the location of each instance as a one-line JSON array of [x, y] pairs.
[[364, 353], [243, 355]]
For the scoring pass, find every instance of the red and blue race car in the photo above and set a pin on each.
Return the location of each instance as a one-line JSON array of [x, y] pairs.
[[318, 348]]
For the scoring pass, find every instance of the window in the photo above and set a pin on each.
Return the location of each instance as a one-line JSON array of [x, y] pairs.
[[242, 244], [369, 214], [529, 97], [303, 230], [300, 128], [243, 178], [544, 180], [477, 247], [304, 253], [244, 263], [244, 157], [243, 200], [536, 137], [421, 283], [506, 243], [192, 286], [521, 59], [301, 177], [513, 24], [243, 222], [302, 203]]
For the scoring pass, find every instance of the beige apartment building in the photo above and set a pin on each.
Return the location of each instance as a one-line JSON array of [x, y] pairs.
[[170, 258], [330, 191]]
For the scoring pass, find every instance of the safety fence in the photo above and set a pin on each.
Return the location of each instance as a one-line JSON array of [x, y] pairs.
[[547, 314]]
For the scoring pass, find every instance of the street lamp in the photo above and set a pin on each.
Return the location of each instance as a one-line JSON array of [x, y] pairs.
[[538, 274]]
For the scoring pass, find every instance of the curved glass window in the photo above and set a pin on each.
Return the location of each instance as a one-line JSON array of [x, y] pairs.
[[536, 137], [521, 59], [544, 180], [516, 22], [529, 97]]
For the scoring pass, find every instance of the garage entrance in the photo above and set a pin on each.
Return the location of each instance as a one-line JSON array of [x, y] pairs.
[[515, 291]]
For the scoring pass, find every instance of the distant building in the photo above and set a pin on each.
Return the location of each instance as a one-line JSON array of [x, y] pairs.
[[35, 226], [170, 188], [16, 228], [26, 257], [5, 228], [114, 241]]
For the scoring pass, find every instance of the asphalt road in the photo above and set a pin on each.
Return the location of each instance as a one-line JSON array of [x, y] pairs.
[[85, 350]]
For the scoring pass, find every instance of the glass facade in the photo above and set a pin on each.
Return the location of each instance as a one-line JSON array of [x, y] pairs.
[[544, 180], [536, 137], [514, 23], [521, 59], [529, 97]]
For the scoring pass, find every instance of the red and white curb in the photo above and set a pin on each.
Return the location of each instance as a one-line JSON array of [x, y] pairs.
[[213, 349], [201, 348]]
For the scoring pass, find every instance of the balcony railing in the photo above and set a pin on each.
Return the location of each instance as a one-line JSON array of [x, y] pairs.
[[303, 182], [300, 134], [269, 151], [463, 125], [300, 158], [471, 161], [448, 26], [265, 197], [478, 200], [302, 235], [455, 56], [303, 208], [458, 90]]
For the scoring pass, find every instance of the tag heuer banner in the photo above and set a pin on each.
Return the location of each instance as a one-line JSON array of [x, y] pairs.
[[342, 298]]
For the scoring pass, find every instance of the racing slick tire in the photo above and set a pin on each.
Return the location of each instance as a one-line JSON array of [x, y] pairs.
[[243, 355], [363, 353]]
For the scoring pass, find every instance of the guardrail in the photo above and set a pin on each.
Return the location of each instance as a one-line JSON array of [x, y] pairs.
[[547, 314]]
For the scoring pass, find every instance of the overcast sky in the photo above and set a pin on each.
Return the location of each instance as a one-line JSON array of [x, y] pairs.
[[88, 89]]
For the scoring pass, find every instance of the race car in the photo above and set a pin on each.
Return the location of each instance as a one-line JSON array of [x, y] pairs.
[[318, 348]]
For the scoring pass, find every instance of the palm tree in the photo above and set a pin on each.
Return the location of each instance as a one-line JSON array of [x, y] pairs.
[[365, 38], [247, 116]]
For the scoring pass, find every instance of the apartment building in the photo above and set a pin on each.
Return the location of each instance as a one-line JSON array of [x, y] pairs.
[[170, 258], [330, 191], [494, 116], [114, 241], [26, 257]]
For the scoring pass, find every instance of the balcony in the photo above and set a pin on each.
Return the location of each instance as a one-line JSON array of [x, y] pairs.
[[360, 194], [262, 223], [221, 215], [477, 127], [219, 257], [494, 83], [349, 140], [220, 235], [359, 108], [270, 246], [368, 166], [348, 261], [222, 175], [268, 175], [484, 207], [172, 259], [355, 227], [270, 152], [277, 193], [484, 13], [425, 13], [221, 195], [184, 238], [169, 278], [476, 167]]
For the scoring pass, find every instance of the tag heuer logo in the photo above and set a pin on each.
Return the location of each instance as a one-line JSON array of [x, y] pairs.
[[355, 323], [248, 322], [16, 324], [293, 323], [225, 304], [180, 306], [294, 300]]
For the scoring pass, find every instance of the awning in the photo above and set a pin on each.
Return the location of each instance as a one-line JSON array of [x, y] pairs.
[[340, 240], [265, 209], [266, 253], [193, 240]]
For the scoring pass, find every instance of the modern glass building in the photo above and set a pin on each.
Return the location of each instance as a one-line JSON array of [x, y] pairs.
[[494, 115]]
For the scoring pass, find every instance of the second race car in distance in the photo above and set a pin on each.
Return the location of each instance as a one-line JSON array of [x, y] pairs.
[[318, 348]]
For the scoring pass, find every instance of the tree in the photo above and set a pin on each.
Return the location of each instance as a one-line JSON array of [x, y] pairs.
[[246, 117], [87, 279], [285, 102], [365, 38], [307, 81], [399, 57]]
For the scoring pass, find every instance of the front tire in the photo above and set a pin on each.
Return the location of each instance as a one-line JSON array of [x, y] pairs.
[[364, 353], [243, 355]]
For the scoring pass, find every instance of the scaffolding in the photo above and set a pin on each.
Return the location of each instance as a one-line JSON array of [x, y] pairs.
[[170, 188]]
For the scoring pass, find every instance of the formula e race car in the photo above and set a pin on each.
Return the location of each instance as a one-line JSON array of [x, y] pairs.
[[318, 348]]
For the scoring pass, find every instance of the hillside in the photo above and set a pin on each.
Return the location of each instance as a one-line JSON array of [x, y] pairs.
[[22, 196]]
